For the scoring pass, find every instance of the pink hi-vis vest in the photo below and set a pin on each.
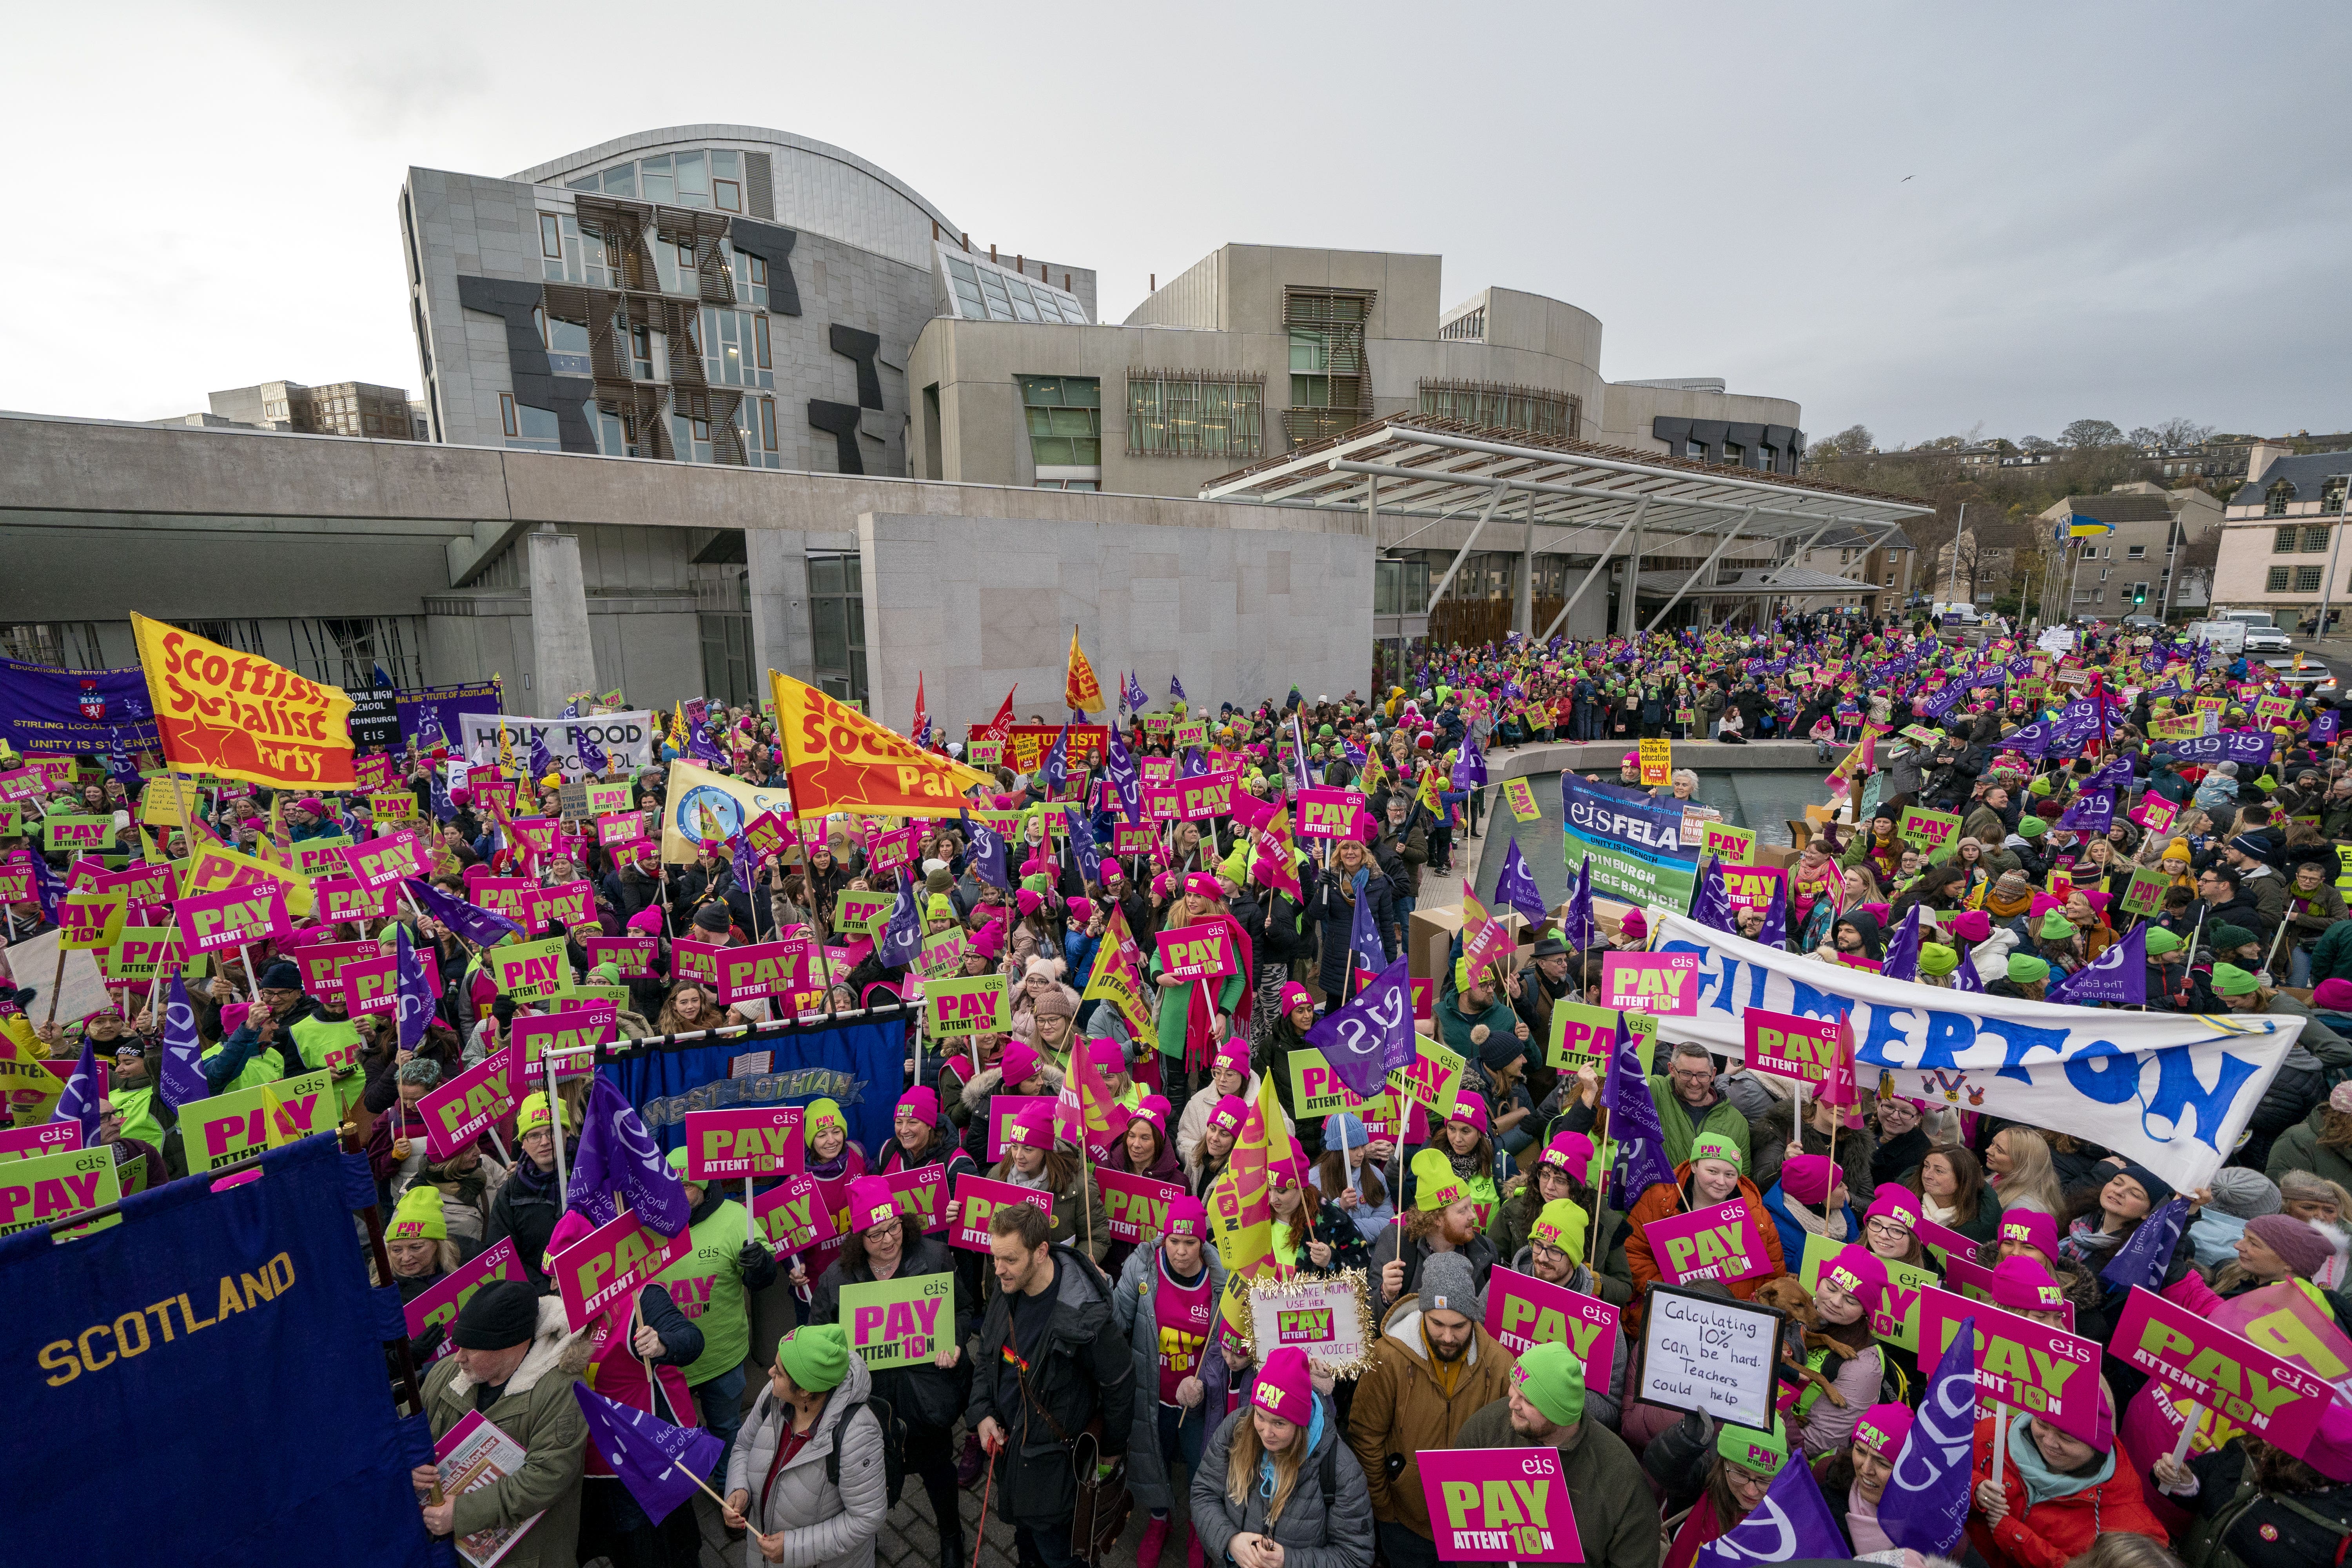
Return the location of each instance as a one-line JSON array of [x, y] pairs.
[[1184, 1315]]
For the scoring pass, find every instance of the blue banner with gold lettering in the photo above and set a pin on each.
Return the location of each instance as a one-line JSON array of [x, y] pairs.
[[225, 1346], [860, 1066]]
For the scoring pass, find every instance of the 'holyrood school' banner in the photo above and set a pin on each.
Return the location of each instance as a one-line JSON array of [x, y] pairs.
[[2171, 1090], [627, 737]]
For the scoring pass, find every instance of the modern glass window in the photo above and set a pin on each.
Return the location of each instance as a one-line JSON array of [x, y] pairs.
[[1734, 453], [755, 425], [693, 172], [551, 236], [735, 351], [2306, 579], [1173, 413], [1400, 587], [837, 619], [527, 429], [660, 183], [982, 290], [1065, 419], [1695, 451], [690, 438], [726, 179], [2136, 553], [750, 278]]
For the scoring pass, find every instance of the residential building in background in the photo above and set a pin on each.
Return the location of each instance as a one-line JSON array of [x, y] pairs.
[[2127, 571], [346, 408], [2281, 532]]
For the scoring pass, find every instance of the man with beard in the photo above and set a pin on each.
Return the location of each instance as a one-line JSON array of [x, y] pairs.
[[1434, 1366], [1553, 1254], [1616, 1519], [1443, 1222]]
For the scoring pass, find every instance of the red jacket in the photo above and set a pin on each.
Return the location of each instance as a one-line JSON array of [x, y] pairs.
[[2052, 1533], [1663, 1201]]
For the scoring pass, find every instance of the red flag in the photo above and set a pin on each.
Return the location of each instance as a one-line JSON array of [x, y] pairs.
[[1001, 727], [920, 729]]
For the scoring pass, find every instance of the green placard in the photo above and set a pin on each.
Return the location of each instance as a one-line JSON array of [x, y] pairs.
[[50, 1189], [1583, 1036], [1156, 724], [1432, 1079], [63, 831], [1314, 1088], [530, 969], [899, 1323], [323, 856], [1905, 1281], [603, 799], [230, 1126], [1936, 832], [860, 911], [983, 753], [1921, 735], [12, 817], [618, 996], [2146, 894], [977, 1004]]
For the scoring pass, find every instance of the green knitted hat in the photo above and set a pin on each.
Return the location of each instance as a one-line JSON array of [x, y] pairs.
[[2229, 980], [2024, 969], [2161, 942], [2033, 826], [2055, 927], [817, 1356], [1935, 958]]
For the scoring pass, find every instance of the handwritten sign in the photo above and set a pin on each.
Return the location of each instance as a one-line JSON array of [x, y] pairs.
[[1716, 1356], [1199, 952], [1523, 1311], [900, 1322], [981, 1196], [1720, 1241], [1493, 1505], [605, 1267], [1325, 1319], [1662, 982]]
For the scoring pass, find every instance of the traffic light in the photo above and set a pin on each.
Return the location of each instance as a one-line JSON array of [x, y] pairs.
[[2140, 594]]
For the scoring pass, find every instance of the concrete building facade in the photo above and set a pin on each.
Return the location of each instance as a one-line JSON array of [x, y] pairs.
[[2128, 571], [2281, 537]]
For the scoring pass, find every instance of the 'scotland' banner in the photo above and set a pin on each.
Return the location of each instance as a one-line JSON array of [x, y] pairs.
[[2171, 1090], [52, 713], [1638, 852], [245, 1315]]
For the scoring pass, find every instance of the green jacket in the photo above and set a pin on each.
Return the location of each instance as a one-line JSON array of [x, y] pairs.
[[537, 1411], [2298, 1149], [1175, 1002], [1455, 1022], [1616, 1519], [2332, 959], [333, 1044], [708, 1285], [1722, 1118]]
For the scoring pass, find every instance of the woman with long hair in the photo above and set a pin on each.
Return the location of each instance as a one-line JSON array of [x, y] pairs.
[[1852, 1286], [1951, 1188], [1258, 1483], [1350, 1179], [1310, 1236], [1559, 1174], [2018, 1169], [1472, 1152], [2104, 1217], [1033, 1160], [2246, 1494], [1209, 1157]]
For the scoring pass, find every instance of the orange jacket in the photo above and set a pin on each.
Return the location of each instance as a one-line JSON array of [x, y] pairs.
[[1662, 1201]]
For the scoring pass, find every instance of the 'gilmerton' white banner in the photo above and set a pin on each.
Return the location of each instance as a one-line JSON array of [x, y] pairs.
[[2171, 1090]]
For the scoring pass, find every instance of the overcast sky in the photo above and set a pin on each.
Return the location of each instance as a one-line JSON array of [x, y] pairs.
[[1923, 218]]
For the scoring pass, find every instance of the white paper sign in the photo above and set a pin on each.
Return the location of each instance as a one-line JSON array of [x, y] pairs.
[[1702, 1354]]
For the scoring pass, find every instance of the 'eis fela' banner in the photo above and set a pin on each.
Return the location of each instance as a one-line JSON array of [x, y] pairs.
[[1637, 846], [2172, 1090]]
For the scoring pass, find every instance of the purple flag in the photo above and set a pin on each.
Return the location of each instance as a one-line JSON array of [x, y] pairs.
[[413, 997], [542, 761], [2117, 774], [478, 925], [1642, 1161], [698, 744], [1470, 767], [2118, 975], [987, 859], [1775, 930], [1926, 1500], [2323, 726], [1119, 766], [591, 755], [183, 1081], [1902, 960], [2032, 740], [1710, 905], [1790, 1522], [1176, 689], [902, 938], [656, 1461], [1515, 887], [79, 1100], [1367, 1039], [2145, 1255], [616, 1151], [2243, 747], [444, 809], [1363, 932], [1135, 701], [1581, 931], [1966, 978], [2093, 811], [1058, 761], [48, 886]]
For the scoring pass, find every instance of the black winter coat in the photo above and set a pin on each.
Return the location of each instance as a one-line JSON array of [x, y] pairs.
[[1336, 913], [1082, 1371], [923, 1394]]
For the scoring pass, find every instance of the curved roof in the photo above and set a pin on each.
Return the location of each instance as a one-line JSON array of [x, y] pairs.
[[556, 170]]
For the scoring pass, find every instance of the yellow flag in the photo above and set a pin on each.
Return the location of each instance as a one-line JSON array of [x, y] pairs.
[[840, 759], [1116, 977], [1429, 800], [231, 715]]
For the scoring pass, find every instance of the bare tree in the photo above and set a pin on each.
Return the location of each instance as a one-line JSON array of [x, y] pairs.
[[2142, 435], [2179, 432], [2036, 444], [2087, 433]]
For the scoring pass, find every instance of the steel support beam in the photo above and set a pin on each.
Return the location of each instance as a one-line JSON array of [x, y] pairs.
[[1594, 575], [1502, 489], [1730, 532], [1523, 611]]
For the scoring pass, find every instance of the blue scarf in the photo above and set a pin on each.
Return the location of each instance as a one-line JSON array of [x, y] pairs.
[[1314, 1436]]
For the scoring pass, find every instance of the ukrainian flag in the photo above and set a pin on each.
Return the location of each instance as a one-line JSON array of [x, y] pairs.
[[2081, 527]]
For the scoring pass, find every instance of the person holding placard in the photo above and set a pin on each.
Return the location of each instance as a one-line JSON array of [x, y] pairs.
[[1810, 1198], [530, 1200], [262, 1050], [1443, 1221], [1034, 1159], [1548, 1405], [1851, 1287], [2057, 1496], [885, 1243], [417, 1243], [1738, 1474], [1215, 1150], [728, 1259], [1166, 1305], [1856, 1476], [2252, 1503], [1711, 1175]]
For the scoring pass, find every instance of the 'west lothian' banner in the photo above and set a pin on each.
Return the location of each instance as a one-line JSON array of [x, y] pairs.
[[626, 738], [2171, 1090], [839, 760], [60, 711], [1637, 846], [231, 715]]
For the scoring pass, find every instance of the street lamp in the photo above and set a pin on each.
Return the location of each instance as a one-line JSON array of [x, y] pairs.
[[2335, 539]]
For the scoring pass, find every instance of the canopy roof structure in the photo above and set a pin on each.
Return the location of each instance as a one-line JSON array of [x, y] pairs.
[[1421, 466]]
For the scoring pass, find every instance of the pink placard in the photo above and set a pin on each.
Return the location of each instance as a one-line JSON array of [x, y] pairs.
[[370, 984], [793, 1216], [1480, 1501], [696, 960], [41, 1138], [1135, 1208], [1002, 1109], [1943, 1236], [1330, 813], [605, 1267], [1789, 1047], [441, 1303], [381, 862], [2047, 1373], [1198, 953], [978, 1197], [503, 896], [457, 1112], [568, 1028], [1720, 1241], [1659, 983], [748, 973], [921, 1192], [730, 1145], [2273, 1398], [211, 922], [1206, 796], [349, 898], [573, 903], [1750, 886], [1523, 1311], [634, 955]]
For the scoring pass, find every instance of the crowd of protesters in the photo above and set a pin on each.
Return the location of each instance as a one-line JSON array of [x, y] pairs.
[[1068, 1341]]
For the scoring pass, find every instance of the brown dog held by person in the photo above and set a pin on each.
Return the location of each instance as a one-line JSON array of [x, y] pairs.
[[1791, 1296]]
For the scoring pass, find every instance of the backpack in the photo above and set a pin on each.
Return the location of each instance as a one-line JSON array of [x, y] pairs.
[[893, 1446]]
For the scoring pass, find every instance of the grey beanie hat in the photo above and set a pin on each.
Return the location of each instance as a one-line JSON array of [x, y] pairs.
[[2244, 1194], [1447, 1283]]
